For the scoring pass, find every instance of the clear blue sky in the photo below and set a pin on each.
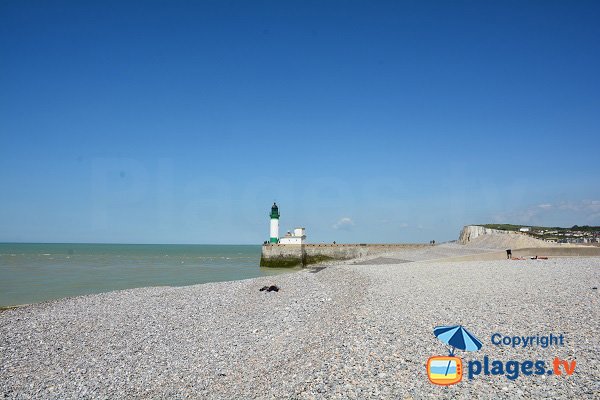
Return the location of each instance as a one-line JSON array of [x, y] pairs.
[[182, 121]]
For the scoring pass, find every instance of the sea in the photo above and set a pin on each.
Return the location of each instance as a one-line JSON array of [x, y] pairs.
[[36, 272]]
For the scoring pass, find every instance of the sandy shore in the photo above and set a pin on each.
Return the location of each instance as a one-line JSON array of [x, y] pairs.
[[346, 331]]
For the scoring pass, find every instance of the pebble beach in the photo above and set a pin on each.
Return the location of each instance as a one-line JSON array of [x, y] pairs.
[[348, 330]]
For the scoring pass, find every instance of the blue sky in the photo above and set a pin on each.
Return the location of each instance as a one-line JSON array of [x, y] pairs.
[[182, 121]]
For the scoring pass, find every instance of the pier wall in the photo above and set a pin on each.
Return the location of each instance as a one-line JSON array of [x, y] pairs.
[[282, 255], [288, 255]]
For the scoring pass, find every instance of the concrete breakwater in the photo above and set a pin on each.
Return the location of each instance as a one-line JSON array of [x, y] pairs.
[[302, 255]]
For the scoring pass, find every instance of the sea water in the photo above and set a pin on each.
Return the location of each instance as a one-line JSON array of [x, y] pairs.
[[31, 272]]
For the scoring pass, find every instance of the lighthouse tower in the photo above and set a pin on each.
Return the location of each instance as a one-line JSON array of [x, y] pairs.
[[274, 224]]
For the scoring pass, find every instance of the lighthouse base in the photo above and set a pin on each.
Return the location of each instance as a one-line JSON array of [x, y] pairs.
[[282, 256]]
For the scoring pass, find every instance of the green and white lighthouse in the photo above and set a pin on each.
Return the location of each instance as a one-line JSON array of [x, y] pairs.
[[274, 224]]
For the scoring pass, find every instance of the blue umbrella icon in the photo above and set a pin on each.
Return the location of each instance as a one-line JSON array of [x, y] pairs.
[[458, 337]]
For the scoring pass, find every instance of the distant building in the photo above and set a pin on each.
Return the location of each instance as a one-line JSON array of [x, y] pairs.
[[525, 229], [297, 237]]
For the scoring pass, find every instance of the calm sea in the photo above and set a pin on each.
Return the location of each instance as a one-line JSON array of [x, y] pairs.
[[33, 272]]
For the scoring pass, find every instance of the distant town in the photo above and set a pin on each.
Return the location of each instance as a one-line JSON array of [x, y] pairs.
[[576, 234]]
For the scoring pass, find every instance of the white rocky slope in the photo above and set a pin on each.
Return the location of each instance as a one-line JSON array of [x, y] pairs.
[[486, 238]]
